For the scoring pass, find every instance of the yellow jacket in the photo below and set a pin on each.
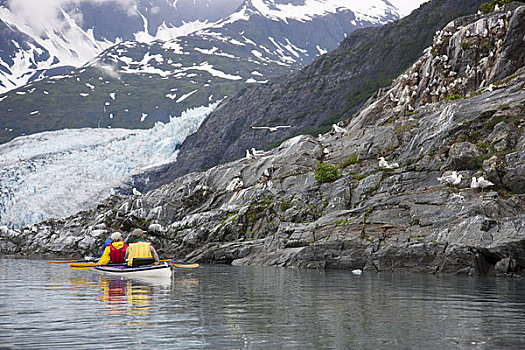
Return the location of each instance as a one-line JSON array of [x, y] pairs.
[[140, 249], [105, 259]]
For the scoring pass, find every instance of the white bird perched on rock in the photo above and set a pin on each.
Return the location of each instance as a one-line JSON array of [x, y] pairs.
[[452, 179], [257, 153], [474, 183], [136, 192], [484, 183], [272, 128], [248, 155], [336, 128], [384, 164]]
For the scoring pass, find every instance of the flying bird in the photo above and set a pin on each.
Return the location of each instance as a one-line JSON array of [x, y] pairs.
[[272, 128]]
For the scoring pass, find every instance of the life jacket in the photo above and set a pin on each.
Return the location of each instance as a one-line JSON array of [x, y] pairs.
[[138, 249], [116, 255]]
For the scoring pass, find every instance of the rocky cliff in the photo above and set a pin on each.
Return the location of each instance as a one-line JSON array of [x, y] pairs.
[[329, 90], [398, 187]]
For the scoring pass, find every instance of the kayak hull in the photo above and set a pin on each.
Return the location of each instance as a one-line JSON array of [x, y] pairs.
[[150, 271]]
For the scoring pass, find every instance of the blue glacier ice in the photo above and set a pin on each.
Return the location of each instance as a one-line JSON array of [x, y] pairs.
[[59, 173]]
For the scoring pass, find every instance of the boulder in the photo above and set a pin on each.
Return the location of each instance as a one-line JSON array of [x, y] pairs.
[[462, 156]]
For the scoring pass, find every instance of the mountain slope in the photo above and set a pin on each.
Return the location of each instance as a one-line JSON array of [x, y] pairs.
[[328, 90], [283, 208], [40, 38], [135, 84]]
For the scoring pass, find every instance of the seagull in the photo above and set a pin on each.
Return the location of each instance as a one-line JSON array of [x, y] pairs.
[[452, 179], [248, 155], [272, 128], [457, 181], [384, 164], [484, 183], [336, 128], [357, 272], [474, 183], [136, 192], [257, 153], [393, 166]]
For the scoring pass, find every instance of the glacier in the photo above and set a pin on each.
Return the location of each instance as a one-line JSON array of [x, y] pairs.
[[58, 173]]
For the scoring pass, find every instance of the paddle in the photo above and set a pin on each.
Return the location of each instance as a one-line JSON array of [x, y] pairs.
[[64, 261], [185, 265], [70, 261], [83, 265]]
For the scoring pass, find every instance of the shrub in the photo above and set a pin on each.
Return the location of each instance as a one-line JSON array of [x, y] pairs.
[[350, 160], [285, 204], [326, 172], [488, 7], [453, 97]]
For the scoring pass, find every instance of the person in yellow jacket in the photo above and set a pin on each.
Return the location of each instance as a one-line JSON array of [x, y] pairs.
[[115, 251], [140, 252]]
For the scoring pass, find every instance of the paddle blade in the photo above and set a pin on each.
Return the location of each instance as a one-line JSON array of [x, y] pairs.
[[62, 261], [82, 265], [187, 266]]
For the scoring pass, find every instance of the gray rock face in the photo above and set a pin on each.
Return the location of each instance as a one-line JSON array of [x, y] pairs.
[[271, 210], [329, 90], [513, 56], [514, 177], [462, 156]]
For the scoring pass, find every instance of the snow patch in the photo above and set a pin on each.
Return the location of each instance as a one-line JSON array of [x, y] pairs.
[[185, 96]]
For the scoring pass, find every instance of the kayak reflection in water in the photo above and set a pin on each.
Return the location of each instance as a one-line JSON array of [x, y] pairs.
[[125, 297]]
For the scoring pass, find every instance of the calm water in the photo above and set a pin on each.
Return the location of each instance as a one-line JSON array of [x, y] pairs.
[[48, 306]]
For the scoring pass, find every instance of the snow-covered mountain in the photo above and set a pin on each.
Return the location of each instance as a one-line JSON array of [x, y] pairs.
[[135, 83], [40, 38], [56, 174]]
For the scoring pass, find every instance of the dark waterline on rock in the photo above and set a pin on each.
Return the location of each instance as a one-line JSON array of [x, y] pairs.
[[222, 307]]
